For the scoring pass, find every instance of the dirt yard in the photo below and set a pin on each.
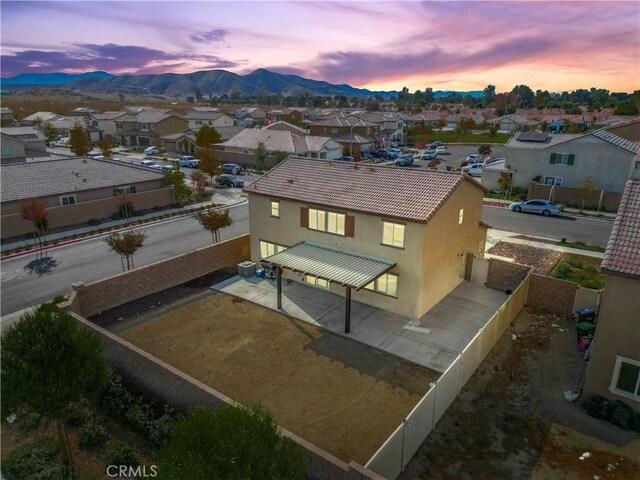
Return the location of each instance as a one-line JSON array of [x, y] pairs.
[[541, 259], [338, 394], [511, 420]]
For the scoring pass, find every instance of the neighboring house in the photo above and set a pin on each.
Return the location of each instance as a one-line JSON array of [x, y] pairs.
[[20, 143], [64, 126], [76, 190], [296, 115], [249, 116], [514, 122], [614, 365], [148, 126], [84, 111], [629, 130], [41, 117], [566, 160], [6, 115], [391, 124], [198, 118], [242, 147], [405, 233], [106, 121], [355, 135], [285, 126], [184, 143]]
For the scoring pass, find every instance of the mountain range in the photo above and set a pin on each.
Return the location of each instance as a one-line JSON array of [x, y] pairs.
[[214, 82]]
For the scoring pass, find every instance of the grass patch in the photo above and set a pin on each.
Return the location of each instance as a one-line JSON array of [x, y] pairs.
[[579, 269], [453, 137], [581, 246]]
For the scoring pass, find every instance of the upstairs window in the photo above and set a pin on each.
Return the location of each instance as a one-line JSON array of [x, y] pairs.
[[275, 208], [562, 159], [393, 234], [460, 216]]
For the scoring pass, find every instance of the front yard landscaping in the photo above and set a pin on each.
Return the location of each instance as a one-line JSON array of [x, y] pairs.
[[583, 270]]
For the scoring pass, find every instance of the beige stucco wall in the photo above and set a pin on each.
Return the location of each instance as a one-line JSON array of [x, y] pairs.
[[611, 165], [287, 231], [617, 333], [223, 121], [445, 242]]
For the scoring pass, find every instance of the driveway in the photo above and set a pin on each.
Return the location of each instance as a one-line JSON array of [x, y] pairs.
[[433, 341]]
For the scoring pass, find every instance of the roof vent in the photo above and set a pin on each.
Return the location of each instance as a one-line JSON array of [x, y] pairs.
[[290, 180]]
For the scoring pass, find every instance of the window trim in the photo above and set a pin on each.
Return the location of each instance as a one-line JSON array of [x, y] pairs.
[[277, 203], [616, 374], [75, 200], [555, 181], [393, 222]]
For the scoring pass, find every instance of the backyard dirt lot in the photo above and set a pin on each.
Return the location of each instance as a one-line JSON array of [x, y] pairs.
[[511, 420], [338, 394]]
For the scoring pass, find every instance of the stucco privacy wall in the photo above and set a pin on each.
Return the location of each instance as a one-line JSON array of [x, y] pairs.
[[504, 276], [183, 391], [80, 213], [568, 196], [552, 294], [110, 292]]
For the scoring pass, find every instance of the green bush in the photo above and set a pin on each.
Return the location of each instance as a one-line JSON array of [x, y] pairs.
[[122, 454], [33, 460], [92, 437], [74, 416]]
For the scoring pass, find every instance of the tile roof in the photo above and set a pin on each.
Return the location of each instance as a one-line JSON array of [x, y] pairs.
[[108, 115], [344, 122], [155, 116], [622, 255], [405, 193], [614, 139], [20, 181], [273, 140], [24, 133]]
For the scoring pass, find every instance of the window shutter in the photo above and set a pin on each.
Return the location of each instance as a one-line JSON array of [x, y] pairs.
[[349, 226], [552, 161], [304, 217], [571, 158]]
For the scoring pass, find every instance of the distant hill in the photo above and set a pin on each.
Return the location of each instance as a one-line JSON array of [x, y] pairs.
[[37, 79]]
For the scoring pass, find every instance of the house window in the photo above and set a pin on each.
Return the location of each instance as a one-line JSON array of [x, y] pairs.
[[275, 208], [198, 122], [626, 378], [368, 130], [562, 159], [386, 284], [323, 155], [68, 200], [324, 130], [460, 216], [245, 151], [393, 234], [210, 122], [317, 281], [330, 222], [267, 249], [128, 190], [553, 181], [334, 130], [8, 149]]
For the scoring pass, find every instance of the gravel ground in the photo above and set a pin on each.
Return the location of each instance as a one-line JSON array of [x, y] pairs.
[[541, 259]]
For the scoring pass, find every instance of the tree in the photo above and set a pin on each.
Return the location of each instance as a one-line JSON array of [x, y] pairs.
[[489, 95], [441, 123], [124, 201], [586, 189], [208, 161], [626, 108], [207, 137], [525, 95], [35, 211], [180, 188], [279, 156], [214, 220], [79, 141], [505, 181], [230, 442], [484, 149], [466, 125], [50, 131], [429, 95], [126, 244], [106, 148], [261, 156], [48, 362], [201, 184]]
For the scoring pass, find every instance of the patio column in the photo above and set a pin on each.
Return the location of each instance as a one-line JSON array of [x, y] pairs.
[[347, 311], [279, 285]]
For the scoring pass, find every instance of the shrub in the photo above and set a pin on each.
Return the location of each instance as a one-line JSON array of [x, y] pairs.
[[122, 454], [92, 222], [74, 416], [92, 436], [33, 460]]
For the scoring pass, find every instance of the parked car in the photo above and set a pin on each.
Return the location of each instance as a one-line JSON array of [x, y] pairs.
[[474, 158], [230, 181], [188, 161], [149, 164], [441, 150], [543, 207], [165, 168], [494, 160], [474, 170], [95, 155], [428, 155], [393, 153], [436, 144], [405, 160], [232, 168], [151, 151]]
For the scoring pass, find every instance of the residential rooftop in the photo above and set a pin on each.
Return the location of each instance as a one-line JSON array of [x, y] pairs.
[[394, 192], [527, 140], [622, 255], [20, 181], [275, 140]]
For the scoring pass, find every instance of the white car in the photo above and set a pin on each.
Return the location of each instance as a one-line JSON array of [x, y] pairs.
[[475, 158], [188, 161], [474, 170], [151, 151], [149, 164], [440, 150], [95, 155], [428, 155]]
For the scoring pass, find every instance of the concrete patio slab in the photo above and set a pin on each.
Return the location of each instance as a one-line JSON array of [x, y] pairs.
[[434, 340]]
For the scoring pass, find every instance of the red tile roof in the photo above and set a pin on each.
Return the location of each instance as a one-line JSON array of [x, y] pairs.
[[413, 194], [622, 255]]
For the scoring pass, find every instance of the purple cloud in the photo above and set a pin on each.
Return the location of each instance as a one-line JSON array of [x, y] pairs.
[[212, 36], [109, 57]]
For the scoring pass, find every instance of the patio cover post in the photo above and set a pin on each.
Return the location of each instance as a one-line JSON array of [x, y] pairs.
[[279, 285], [347, 311]]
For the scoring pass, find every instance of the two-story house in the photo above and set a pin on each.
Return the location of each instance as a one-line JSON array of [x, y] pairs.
[[355, 135], [148, 126], [393, 238], [249, 116], [20, 143], [198, 118], [295, 115], [614, 364], [106, 121], [391, 124]]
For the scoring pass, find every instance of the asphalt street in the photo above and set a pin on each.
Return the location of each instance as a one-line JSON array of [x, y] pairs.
[[25, 284]]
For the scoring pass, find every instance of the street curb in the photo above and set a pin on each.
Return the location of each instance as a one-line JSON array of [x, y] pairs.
[[64, 243]]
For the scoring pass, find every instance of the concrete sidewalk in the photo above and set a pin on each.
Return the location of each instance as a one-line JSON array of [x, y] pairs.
[[496, 236], [434, 340]]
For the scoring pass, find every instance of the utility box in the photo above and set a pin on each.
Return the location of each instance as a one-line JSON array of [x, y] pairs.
[[247, 269]]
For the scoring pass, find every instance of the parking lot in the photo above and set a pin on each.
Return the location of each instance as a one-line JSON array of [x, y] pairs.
[[455, 155]]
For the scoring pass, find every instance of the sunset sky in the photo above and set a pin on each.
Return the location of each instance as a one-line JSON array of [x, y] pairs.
[[381, 45]]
